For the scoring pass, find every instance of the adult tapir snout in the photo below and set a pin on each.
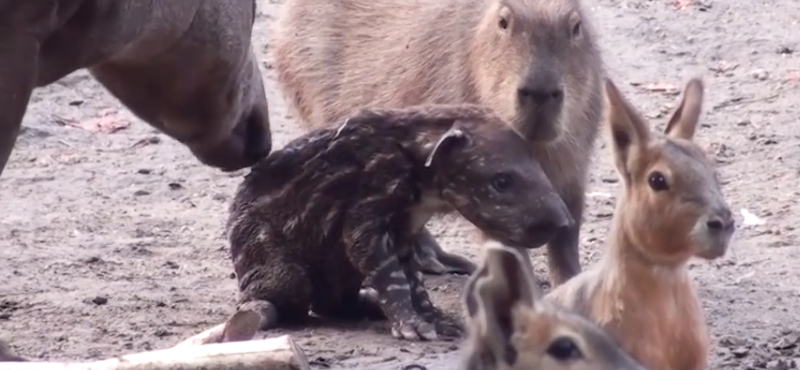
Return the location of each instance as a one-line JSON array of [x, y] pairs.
[[249, 139]]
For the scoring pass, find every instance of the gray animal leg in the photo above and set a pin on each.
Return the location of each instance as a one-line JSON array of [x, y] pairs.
[[433, 260], [563, 255], [19, 59]]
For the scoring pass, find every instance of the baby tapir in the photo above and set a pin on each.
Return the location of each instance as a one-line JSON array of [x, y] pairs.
[[336, 209]]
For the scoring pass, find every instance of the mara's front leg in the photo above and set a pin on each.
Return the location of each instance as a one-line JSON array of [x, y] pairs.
[[432, 259]]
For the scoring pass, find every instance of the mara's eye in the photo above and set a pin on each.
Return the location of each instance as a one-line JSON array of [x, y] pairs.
[[564, 349], [503, 23], [576, 29], [657, 181], [502, 182]]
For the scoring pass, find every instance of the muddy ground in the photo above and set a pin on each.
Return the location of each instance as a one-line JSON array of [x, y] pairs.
[[112, 242]]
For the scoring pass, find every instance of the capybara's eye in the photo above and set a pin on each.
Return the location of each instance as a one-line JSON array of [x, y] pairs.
[[503, 23], [564, 349], [657, 181], [502, 182]]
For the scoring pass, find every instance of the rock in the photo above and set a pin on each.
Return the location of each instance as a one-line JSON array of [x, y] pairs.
[[760, 74], [740, 352]]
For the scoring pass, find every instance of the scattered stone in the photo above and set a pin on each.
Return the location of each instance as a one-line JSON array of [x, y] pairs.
[[175, 186], [740, 352], [144, 171], [760, 74], [161, 333], [99, 300], [140, 193]]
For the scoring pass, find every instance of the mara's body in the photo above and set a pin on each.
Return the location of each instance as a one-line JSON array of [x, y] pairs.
[[187, 68], [670, 209], [512, 327], [336, 209], [535, 63]]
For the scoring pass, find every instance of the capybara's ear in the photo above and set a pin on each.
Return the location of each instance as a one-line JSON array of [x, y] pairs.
[[450, 138], [629, 132], [684, 120], [502, 283]]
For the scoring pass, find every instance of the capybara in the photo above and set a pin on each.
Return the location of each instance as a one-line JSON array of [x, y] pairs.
[[185, 67], [512, 327], [535, 63], [670, 209], [335, 210]]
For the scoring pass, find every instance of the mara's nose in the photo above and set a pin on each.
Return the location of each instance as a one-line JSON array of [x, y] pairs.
[[721, 221]]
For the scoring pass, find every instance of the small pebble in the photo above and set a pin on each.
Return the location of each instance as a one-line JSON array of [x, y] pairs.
[[99, 300], [760, 74]]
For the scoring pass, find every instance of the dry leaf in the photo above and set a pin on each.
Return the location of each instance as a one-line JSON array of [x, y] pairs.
[[660, 87], [105, 124], [150, 140]]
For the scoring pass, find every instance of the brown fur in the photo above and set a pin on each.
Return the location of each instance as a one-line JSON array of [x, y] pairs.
[[185, 67], [334, 57], [335, 209], [512, 327], [641, 291]]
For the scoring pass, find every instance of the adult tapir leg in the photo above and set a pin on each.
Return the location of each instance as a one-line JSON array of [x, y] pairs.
[[22, 26], [205, 90], [18, 60]]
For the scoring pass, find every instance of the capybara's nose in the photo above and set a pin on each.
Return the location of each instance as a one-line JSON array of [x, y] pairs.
[[542, 91]]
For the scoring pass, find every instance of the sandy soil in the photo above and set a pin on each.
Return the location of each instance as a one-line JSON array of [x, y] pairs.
[[112, 242]]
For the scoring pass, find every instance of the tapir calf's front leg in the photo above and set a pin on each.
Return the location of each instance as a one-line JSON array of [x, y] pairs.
[[388, 278]]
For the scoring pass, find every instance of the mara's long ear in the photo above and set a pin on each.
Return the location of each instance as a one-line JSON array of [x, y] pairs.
[[629, 132], [684, 120], [445, 143], [502, 282]]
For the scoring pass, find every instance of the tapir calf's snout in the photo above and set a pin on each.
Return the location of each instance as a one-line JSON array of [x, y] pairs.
[[552, 217]]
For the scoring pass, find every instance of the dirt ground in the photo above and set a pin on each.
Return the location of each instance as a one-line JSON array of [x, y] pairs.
[[112, 242]]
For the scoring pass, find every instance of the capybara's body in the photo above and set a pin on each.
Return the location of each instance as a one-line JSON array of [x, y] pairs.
[[185, 67], [334, 207], [535, 63]]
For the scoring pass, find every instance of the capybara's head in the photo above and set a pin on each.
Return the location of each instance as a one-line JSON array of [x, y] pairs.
[[673, 206], [537, 64], [242, 134], [486, 171], [512, 327]]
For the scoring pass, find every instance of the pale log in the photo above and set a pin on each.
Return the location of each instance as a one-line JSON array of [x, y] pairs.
[[280, 353]]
